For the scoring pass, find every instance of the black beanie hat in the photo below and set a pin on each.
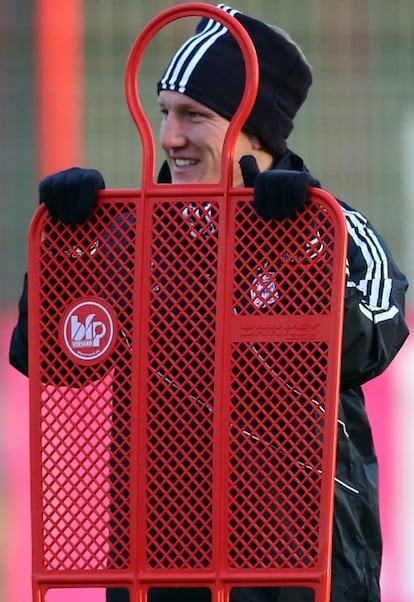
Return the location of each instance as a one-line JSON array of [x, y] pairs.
[[209, 67]]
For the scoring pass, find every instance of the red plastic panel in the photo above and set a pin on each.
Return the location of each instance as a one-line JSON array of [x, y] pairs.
[[184, 383], [184, 378]]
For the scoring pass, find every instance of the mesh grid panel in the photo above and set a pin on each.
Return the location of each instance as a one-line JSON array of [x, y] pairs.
[[276, 457], [182, 364], [183, 392]]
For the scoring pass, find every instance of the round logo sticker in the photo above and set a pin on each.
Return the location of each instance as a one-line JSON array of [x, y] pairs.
[[263, 292], [88, 330]]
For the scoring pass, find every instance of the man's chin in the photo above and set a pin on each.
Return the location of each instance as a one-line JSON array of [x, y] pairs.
[[193, 178], [190, 175], [190, 179]]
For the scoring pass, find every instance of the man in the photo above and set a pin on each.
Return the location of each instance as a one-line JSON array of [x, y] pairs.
[[198, 94]]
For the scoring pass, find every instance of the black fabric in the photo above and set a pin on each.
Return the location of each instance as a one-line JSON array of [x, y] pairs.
[[70, 195], [238, 594], [369, 347], [198, 70], [278, 193], [164, 175], [19, 347], [117, 594]]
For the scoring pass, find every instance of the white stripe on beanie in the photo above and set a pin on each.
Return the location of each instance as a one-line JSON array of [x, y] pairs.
[[189, 55], [183, 52]]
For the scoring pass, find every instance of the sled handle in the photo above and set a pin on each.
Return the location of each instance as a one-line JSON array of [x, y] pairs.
[[142, 123]]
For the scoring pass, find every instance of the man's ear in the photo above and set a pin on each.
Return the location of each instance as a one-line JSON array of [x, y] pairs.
[[263, 157], [255, 142]]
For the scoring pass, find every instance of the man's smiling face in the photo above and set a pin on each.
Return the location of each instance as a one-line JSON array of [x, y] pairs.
[[192, 137]]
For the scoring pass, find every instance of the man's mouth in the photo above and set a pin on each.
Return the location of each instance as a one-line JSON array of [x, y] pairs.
[[185, 162]]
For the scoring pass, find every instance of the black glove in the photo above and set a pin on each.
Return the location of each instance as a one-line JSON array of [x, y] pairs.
[[70, 195], [277, 192]]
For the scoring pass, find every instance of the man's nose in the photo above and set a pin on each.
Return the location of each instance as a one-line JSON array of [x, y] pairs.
[[172, 133]]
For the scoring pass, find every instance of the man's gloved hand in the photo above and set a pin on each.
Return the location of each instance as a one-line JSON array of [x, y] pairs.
[[70, 195], [277, 192]]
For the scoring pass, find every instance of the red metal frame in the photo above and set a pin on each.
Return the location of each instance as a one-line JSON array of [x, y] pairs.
[[184, 380]]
